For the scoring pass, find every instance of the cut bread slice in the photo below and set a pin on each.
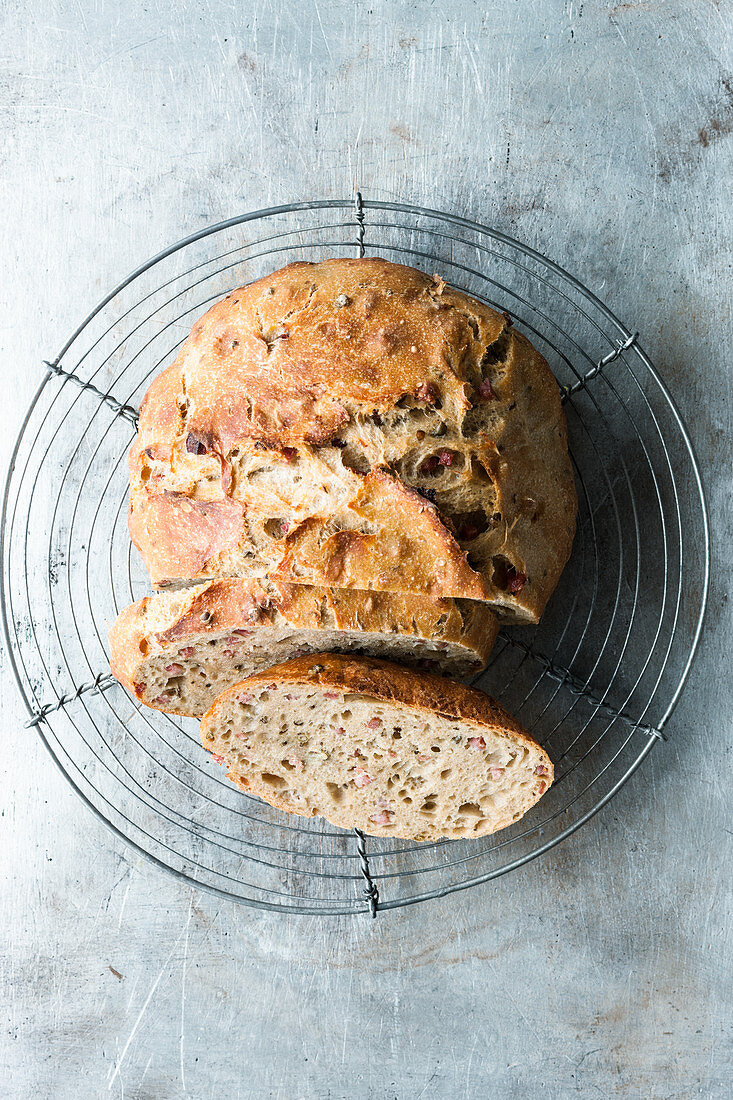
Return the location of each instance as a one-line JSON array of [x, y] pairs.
[[369, 745], [176, 651]]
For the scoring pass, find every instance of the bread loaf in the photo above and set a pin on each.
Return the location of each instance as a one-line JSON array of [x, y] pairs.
[[177, 651], [357, 424], [367, 744]]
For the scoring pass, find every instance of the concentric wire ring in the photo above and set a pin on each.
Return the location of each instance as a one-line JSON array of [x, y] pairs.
[[595, 682]]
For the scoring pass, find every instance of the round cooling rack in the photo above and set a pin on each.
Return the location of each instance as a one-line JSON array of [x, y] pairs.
[[595, 682]]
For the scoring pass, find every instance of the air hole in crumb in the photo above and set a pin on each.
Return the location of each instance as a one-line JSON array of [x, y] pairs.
[[336, 792], [273, 780], [470, 809], [276, 528]]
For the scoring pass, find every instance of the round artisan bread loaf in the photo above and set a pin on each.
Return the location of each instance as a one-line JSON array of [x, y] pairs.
[[369, 745], [176, 651], [357, 424]]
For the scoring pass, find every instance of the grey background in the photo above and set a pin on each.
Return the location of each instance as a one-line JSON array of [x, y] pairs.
[[601, 135]]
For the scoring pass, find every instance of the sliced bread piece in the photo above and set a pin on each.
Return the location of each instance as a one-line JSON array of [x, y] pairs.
[[177, 651], [369, 745]]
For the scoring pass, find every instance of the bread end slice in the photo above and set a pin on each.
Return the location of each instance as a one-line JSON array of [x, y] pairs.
[[176, 651]]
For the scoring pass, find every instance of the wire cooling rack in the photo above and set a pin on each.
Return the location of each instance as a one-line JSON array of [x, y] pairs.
[[595, 682]]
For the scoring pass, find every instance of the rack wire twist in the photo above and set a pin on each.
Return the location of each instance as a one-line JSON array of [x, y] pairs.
[[596, 682]]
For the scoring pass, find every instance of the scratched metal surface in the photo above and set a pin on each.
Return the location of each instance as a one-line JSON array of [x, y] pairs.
[[599, 134]]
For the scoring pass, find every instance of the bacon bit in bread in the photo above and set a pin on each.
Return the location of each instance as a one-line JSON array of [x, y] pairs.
[[374, 723], [245, 698], [277, 528], [476, 743], [507, 577], [175, 669], [188, 651], [219, 759], [361, 778], [486, 390], [540, 770], [330, 695], [195, 445], [427, 392], [289, 453], [243, 633], [384, 817], [161, 700], [139, 688], [296, 762], [233, 640], [515, 581], [421, 759], [446, 458], [339, 731], [496, 773], [542, 788], [430, 465]]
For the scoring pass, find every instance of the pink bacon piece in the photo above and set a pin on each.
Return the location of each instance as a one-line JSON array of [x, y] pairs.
[[384, 817]]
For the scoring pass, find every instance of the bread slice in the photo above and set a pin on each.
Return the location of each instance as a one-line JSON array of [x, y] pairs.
[[369, 745], [177, 651], [358, 424]]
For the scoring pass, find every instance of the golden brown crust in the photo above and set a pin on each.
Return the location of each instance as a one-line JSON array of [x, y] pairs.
[[126, 643], [404, 548], [178, 536], [303, 360], [533, 476]]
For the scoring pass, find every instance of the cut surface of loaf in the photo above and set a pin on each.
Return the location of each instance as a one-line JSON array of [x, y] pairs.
[[176, 651], [357, 424], [369, 745]]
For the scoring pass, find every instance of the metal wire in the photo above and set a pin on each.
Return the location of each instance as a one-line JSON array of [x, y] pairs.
[[595, 683]]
